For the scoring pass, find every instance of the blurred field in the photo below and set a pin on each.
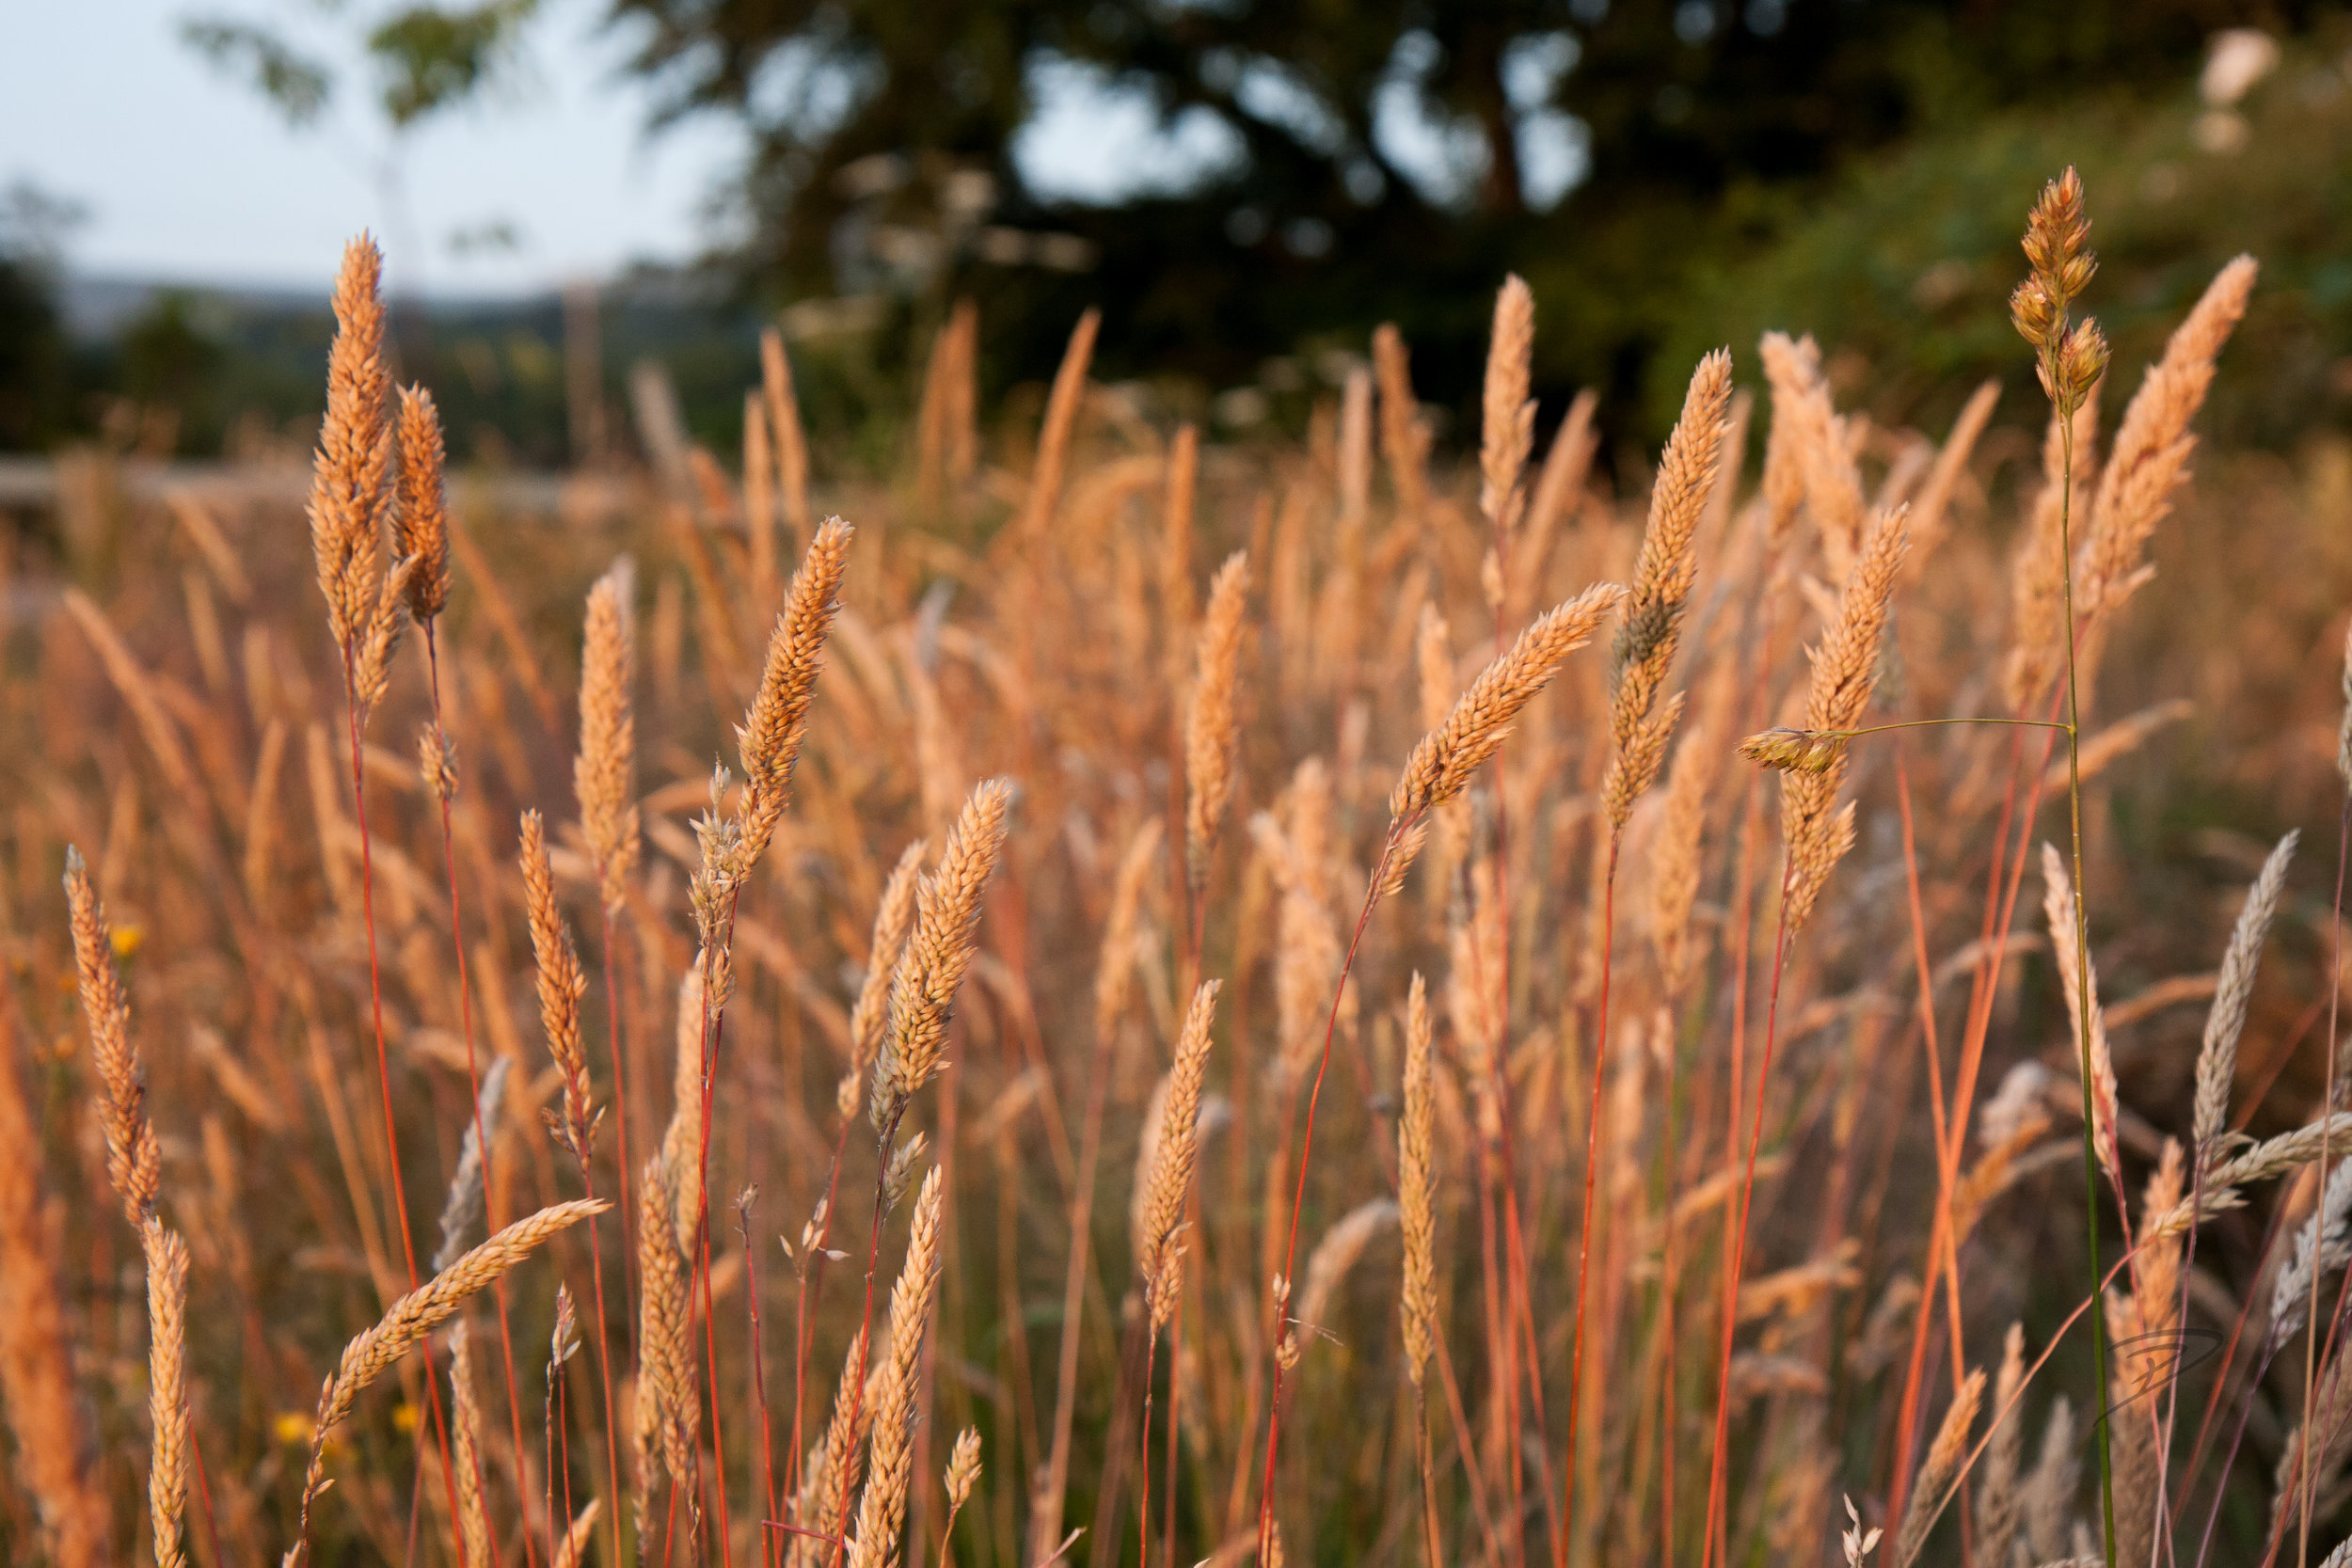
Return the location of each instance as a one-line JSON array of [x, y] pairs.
[[1024, 599]]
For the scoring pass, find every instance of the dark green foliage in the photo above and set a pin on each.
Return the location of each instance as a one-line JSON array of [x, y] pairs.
[[434, 58], [1906, 267], [34, 380], [296, 85]]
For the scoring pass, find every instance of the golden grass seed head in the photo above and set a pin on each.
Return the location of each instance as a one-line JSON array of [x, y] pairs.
[[463, 1207], [1417, 1185], [963, 1467], [1856, 1542], [1999, 1500], [2034, 313], [1159, 1249], [1508, 422], [349, 490], [134, 1159], [1337, 1254], [1449, 755], [1936, 1472], [604, 769], [890, 1463], [572, 1550], [831, 1471], [2056, 233], [1404, 434], [2233, 992], [2076, 367], [167, 1385], [1113, 972], [906, 1162], [562, 984], [923, 987], [437, 763], [2148, 460], [420, 509], [563, 1340], [371, 1355], [464, 1432], [2079, 977], [1399, 856], [1795, 751], [769, 737], [1663, 574], [371, 665], [893, 915], [2343, 726], [666, 1399], [1209, 721]]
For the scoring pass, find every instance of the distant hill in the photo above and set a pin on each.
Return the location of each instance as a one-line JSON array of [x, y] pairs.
[[238, 368]]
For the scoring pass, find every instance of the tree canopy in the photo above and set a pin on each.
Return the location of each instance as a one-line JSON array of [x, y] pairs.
[[1350, 161]]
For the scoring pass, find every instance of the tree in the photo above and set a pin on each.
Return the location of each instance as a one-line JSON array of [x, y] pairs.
[[1359, 159], [36, 368]]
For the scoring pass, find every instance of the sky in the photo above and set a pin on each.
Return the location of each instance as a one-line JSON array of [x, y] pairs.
[[183, 174]]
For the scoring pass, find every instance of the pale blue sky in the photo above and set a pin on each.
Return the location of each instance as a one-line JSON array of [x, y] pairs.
[[185, 174]]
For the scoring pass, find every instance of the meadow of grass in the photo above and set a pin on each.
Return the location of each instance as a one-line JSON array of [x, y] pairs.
[[1221, 1002]]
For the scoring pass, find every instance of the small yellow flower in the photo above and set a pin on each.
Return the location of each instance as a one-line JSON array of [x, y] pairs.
[[404, 1416], [292, 1428], [126, 941]]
